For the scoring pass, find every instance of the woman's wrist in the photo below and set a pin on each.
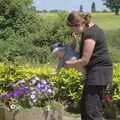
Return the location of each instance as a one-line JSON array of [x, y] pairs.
[[81, 62]]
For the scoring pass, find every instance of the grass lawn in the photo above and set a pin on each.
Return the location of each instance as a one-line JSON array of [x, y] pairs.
[[107, 21]]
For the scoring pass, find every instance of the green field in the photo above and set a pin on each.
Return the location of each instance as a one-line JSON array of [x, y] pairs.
[[107, 21]]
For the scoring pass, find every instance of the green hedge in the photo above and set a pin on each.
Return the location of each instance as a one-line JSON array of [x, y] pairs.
[[69, 83]]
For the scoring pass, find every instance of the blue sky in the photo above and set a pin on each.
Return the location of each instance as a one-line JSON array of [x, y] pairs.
[[67, 4]]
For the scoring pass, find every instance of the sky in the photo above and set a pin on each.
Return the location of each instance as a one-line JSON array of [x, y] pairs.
[[68, 5]]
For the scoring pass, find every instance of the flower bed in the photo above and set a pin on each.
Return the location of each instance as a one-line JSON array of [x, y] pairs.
[[28, 93], [24, 95]]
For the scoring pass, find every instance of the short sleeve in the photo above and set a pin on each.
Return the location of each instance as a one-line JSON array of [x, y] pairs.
[[89, 35]]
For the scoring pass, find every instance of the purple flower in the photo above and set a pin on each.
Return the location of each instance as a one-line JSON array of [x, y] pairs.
[[24, 90], [41, 86], [10, 94], [17, 93]]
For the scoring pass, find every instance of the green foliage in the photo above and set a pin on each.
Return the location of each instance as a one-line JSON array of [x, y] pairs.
[[114, 5], [18, 27], [116, 82], [69, 82], [69, 85], [26, 36], [113, 44]]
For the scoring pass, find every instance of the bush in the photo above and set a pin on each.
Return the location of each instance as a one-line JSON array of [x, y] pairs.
[[116, 83], [69, 82], [69, 85], [113, 44]]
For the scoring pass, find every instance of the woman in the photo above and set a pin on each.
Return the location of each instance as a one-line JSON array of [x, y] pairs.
[[96, 60]]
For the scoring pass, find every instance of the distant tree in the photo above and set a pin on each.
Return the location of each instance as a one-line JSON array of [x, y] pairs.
[[81, 8], [105, 10], [113, 5], [93, 7], [44, 11], [54, 10]]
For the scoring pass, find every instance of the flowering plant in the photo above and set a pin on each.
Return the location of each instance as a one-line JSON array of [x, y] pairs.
[[28, 93]]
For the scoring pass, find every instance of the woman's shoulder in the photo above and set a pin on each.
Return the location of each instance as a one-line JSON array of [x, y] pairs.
[[93, 32]]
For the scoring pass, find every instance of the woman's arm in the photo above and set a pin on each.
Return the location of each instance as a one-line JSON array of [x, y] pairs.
[[88, 49]]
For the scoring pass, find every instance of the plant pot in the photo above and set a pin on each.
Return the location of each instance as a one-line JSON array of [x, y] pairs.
[[31, 114]]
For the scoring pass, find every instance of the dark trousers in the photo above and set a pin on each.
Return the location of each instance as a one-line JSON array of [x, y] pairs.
[[91, 102]]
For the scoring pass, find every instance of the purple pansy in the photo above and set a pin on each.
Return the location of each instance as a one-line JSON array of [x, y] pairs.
[[24, 90]]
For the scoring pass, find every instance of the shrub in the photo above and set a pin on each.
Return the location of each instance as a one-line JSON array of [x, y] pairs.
[[116, 83], [69, 82], [69, 85]]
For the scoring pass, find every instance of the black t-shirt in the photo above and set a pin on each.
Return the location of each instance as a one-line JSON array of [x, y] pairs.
[[100, 55]]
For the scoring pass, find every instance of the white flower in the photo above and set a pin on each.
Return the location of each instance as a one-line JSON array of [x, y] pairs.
[[48, 108], [34, 92], [35, 100], [22, 81], [37, 78], [38, 85], [34, 81], [49, 91], [12, 106], [43, 82], [32, 96]]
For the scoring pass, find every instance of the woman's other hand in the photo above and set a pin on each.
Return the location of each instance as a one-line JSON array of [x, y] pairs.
[[70, 63]]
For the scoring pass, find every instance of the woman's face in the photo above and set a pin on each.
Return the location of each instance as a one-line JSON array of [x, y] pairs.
[[78, 29]]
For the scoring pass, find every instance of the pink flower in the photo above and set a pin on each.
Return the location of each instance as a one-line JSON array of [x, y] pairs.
[[108, 98]]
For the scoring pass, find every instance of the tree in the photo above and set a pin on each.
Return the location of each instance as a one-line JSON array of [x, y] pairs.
[[113, 5], [81, 8], [93, 7], [18, 26]]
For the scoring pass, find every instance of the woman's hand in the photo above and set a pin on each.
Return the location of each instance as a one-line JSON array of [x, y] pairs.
[[74, 37], [70, 63]]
